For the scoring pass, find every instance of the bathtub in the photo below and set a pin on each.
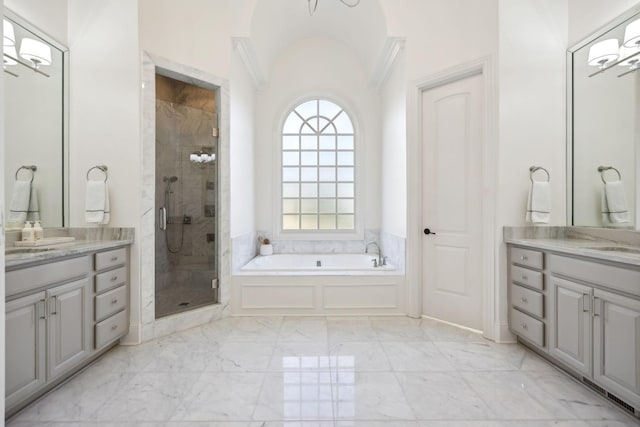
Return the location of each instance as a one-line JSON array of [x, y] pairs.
[[317, 284], [322, 264]]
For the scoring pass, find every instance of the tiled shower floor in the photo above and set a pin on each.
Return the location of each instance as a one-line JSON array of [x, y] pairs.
[[178, 298], [338, 372]]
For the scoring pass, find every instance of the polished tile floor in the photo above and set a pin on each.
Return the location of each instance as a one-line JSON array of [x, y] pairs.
[[323, 372]]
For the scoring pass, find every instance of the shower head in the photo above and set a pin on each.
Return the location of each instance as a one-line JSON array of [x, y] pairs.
[[170, 178]]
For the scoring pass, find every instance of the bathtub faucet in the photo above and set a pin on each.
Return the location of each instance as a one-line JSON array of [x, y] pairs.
[[382, 260]]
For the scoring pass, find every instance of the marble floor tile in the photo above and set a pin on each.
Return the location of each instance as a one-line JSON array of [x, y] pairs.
[[442, 396], [295, 396], [240, 357], [148, 397], [303, 329], [220, 397], [359, 357], [322, 372], [416, 356], [369, 396], [300, 356]]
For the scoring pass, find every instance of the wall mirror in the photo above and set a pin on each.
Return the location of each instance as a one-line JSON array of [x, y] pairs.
[[36, 111], [603, 125]]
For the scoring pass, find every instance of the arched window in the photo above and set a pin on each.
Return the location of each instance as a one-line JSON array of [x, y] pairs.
[[318, 168]]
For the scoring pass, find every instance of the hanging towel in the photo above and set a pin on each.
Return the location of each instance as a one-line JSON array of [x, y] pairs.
[[539, 203], [95, 202], [614, 203], [33, 213], [107, 208], [19, 202]]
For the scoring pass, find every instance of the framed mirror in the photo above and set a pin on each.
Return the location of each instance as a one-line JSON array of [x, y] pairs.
[[604, 127], [36, 125]]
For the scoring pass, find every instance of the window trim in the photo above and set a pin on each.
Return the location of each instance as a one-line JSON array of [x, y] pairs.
[[359, 199]]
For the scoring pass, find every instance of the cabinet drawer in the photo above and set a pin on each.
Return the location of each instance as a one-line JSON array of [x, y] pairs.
[[527, 300], [527, 327], [524, 276], [111, 302], [110, 279], [28, 278], [527, 257], [112, 328], [111, 258]]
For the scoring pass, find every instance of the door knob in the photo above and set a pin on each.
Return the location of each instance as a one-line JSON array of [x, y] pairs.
[[427, 231]]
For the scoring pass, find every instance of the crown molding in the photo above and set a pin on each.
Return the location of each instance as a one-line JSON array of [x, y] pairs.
[[244, 47], [390, 51]]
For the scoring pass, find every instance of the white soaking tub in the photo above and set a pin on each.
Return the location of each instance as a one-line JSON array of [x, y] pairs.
[[317, 284]]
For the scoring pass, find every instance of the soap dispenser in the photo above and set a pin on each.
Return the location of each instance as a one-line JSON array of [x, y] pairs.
[[27, 232], [38, 232]]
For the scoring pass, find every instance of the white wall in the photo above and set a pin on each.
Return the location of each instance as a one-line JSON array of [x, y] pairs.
[[316, 67], [394, 149], [242, 156], [49, 16], [2, 290], [105, 113], [586, 16]]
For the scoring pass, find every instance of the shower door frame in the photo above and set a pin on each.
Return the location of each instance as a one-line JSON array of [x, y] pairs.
[[145, 324]]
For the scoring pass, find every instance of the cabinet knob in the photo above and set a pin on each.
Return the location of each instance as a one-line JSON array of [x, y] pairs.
[[114, 259], [524, 326], [524, 277], [114, 327], [524, 258], [115, 301], [524, 300], [114, 278]]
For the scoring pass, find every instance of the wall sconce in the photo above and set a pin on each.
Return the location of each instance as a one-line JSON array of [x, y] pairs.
[[603, 53], [629, 57], [9, 55], [632, 34], [8, 34], [36, 52], [201, 158]]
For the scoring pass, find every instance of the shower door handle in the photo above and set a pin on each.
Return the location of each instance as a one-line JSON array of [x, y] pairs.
[[163, 218]]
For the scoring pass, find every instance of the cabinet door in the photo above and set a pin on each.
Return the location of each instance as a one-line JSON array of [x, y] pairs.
[[616, 346], [25, 347], [68, 327], [571, 324]]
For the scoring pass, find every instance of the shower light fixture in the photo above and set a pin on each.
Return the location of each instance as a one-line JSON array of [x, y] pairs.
[[313, 4], [202, 158]]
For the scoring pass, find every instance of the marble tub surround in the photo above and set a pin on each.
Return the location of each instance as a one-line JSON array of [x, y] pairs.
[[394, 247], [584, 241], [284, 246], [244, 249], [86, 240], [323, 371]]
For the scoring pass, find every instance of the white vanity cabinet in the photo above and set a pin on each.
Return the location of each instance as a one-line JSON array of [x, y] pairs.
[[47, 332], [582, 313], [60, 315]]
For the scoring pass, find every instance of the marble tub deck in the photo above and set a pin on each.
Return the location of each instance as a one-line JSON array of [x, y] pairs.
[[323, 371]]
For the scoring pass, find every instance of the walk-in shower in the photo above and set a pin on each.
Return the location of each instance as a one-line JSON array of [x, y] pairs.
[[186, 196]]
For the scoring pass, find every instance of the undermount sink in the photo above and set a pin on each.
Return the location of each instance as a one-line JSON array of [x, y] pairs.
[[14, 251], [617, 249]]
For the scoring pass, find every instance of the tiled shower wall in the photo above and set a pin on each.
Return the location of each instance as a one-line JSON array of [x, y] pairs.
[[185, 116]]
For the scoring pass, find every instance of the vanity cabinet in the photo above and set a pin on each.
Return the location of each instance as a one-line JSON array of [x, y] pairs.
[[60, 315], [590, 321]]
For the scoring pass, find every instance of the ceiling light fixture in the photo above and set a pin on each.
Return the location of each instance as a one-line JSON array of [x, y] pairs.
[[313, 5]]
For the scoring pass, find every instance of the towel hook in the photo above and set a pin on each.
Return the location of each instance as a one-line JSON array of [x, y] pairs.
[[32, 168], [534, 169], [103, 168], [603, 169]]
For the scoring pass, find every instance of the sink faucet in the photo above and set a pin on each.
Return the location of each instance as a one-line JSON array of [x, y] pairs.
[[381, 260]]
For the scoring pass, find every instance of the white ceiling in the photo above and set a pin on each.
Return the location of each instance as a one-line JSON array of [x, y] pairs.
[[277, 24]]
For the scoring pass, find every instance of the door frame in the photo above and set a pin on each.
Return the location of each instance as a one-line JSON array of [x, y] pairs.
[[492, 326]]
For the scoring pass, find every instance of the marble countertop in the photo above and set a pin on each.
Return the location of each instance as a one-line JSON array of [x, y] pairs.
[[86, 240], [591, 248]]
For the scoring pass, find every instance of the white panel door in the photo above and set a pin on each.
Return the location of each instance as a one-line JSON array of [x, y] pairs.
[[452, 139]]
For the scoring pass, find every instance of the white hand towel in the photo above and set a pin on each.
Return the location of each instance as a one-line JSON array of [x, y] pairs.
[[539, 203], [19, 202], [107, 209], [616, 202], [95, 201], [33, 213]]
